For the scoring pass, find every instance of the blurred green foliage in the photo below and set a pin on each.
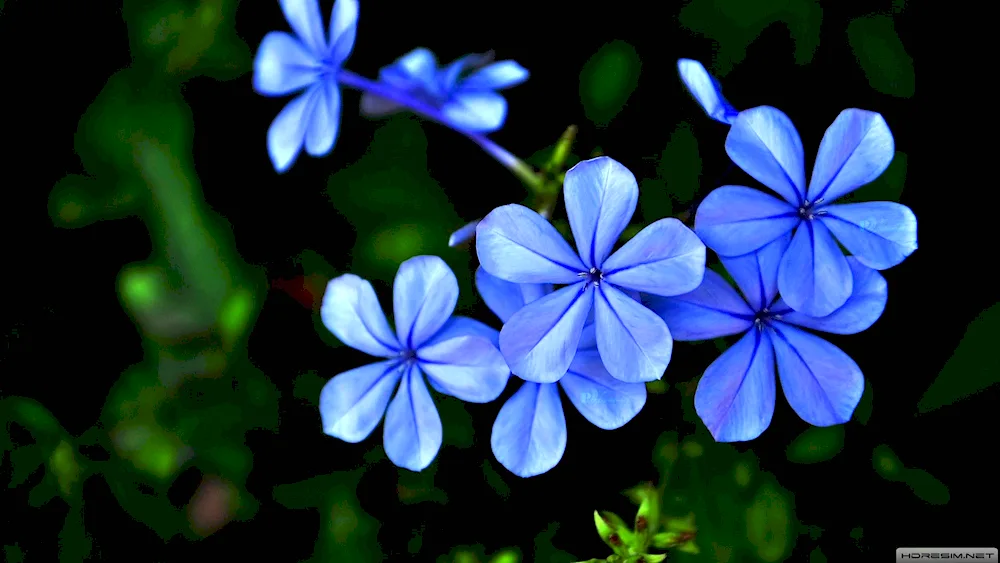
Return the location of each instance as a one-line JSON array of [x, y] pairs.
[[972, 368], [607, 81], [816, 444], [887, 187], [678, 176], [924, 485], [882, 56]]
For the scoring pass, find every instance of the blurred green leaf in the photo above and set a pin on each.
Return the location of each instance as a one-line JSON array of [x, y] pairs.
[[457, 423], [973, 367], [768, 524], [863, 412], [886, 463], [512, 555], [882, 56], [926, 486], [816, 444], [77, 201], [495, 480], [413, 488], [12, 553], [655, 202], [546, 552], [887, 187], [607, 80], [307, 387], [735, 24], [680, 165], [816, 556]]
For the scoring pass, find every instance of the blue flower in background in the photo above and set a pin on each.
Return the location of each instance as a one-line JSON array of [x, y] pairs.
[[308, 61], [706, 91], [666, 258], [464, 92], [735, 396], [428, 340], [814, 276], [529, 434]]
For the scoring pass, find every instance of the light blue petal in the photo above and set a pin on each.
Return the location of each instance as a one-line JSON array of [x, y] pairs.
[[416, 68], [343, 29], [463, 234], [881, 234], [352, 403], [634, 343], [424, 296], [735, 397], [539, 341], [497, 76], [469, 368], [863, 308], [458, 325], [412, 431], [475, 111], [855, 150], [822, 383], [529, 434], [505, 298], [324, 123], [756, 273], [712, 310], [351, 311], [735, 220], [374, 106], [600, 196], [814, 277], [764, 143], [602, 399], [304, 18], [287, 132], [665, 258], [516, 244], [283, 65], [588, 338], [706, 91]]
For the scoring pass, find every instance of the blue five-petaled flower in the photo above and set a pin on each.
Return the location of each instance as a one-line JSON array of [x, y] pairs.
[[428, 340], [735, 397], [666, 258], [814, 276], [308, 61], [529, 434], [463, 92], [706, 91]]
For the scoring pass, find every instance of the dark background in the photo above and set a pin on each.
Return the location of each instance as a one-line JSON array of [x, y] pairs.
[[68, 337]]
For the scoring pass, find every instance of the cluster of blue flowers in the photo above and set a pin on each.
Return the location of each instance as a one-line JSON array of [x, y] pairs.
[[598, 321]]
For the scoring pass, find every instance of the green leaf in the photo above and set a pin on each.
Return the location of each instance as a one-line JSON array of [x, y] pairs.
[[974, 367], [680, 165], [816, 556], [926, 486], [607, 80], [886, 463], [863, 412], [887, 187], [768, 521], [882, 56], [816, 444]]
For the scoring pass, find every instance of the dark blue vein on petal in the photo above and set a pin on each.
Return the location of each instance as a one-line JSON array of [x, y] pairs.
[[413, 405], [647, 262], [597, 223], [782, 168], [859, 227], [393, 347], [539, 254], [760, 281], [842, 164], [388, 370], [826, 398], [627, 331], [758, 336]]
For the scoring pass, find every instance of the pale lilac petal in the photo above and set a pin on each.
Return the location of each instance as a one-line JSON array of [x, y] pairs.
[[712, 310], [706, 91], [516, 244], [417, 68], [735, 397], [475, 111], [412, 431], [855, 150], [343, 29], [458, 325], [814, 277], [862, 309], [505, 298], [634, 343], [467, 367], [497, 76], [881, 234], [529, 434], [287, 132], [822, 383], [735, 220], [605, 401], [304, 18], [283, 65], [465, 233], [540, 340], [756, 273], [350, 310], [600, 196], [352, 403], [324, 123], [666, 258], [764, 143], [424, 296], [588, 338]]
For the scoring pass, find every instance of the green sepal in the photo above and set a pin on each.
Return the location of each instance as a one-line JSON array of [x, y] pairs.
[[647, 519], [613, 531], [646, 558]]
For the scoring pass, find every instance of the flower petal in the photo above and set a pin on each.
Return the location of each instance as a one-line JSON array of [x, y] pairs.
[[855, 150], [764, 143], [822, 383], [706, 91], [412, 431], [881, 234], [756, 273], [605, 401], [735, 397], [458, 325], [735, 220], [416, 68], [666, 258], [516, 244], [588, 338], [283, 65], [505, 298], [351, 311], [424, 296], [529, 434], [634, 343], [712, 310], [304, 18], [352, 403], [497, 76], [325, 120], [287, 132], [539, 341], [466, 367], [374, 106], [863, 308], [475, 111], [814, 277], [343, 29], [600, 196], [465, 233]]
